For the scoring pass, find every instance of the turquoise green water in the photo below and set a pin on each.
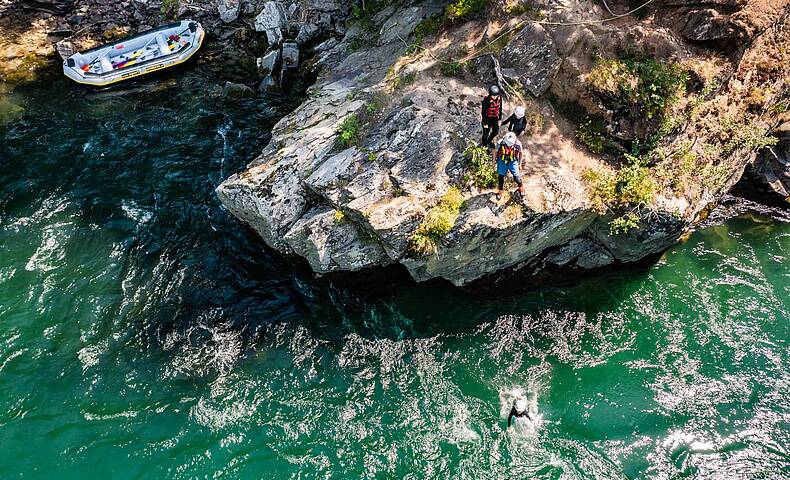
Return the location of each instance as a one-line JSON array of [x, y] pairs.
[[144, 334]]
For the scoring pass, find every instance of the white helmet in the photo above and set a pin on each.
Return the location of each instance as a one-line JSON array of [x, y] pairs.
[[510, 139], [521, 404], [520, 111]]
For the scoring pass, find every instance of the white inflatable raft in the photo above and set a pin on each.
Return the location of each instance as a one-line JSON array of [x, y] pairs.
[[147, 52]]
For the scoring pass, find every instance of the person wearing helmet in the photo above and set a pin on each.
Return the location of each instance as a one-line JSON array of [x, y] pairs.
[[507, 156], [517, 122], [491, 115], [519, 409]]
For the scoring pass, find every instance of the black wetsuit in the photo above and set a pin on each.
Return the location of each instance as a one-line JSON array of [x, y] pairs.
[[514, 413], [491, 115], [515, 124]]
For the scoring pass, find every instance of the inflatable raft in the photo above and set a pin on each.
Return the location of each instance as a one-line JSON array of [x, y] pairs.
[[147, 52]]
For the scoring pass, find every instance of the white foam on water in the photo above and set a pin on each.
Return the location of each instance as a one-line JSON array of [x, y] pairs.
[[50, 253], [134, 212]]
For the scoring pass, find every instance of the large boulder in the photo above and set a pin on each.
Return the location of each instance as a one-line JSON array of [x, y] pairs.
[[331, 243], [771, 169], [272, 20], [228, 10], [532, 58], [709, 24], [290, 55]]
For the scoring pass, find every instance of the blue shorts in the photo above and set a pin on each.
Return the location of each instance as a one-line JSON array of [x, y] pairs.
[[502, 168]]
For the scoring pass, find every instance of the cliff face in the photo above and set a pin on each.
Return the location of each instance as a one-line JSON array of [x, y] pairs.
[[374, 167]]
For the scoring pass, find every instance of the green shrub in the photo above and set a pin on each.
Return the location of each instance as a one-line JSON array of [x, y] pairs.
[[451, 69], [403, 80], [437, 223], [629, 190], [646, 86], [462, 10], [480, 166], [348, 133], [591, 132]]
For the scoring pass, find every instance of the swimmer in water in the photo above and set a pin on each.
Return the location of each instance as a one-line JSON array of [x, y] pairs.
[[519, 410]]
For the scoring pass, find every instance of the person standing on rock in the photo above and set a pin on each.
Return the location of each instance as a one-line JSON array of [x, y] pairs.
[[491, 115], [517, 122], [507, 156]]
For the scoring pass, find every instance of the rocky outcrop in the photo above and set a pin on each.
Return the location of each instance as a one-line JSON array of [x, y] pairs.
[[771, 169], [353, 175]]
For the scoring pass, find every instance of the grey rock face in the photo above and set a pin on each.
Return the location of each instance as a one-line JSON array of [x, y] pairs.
[[268, 63], [709, 24], [228, 10], [272, 20], [772, 166], [290, 55], [532, 58], [330, 243]]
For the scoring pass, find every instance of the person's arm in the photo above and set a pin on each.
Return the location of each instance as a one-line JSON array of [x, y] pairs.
[[510, 417], [496, 151], [510, 119], [483, 110]]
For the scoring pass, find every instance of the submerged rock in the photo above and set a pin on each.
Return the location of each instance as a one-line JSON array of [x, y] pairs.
[[237, 90]]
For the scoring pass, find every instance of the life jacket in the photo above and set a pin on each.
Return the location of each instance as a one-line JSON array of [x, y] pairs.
[[508, 154], [494, 105]]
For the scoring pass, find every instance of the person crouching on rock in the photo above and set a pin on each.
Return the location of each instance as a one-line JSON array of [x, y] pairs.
[[517, 122], [507, 156], [491, 114]]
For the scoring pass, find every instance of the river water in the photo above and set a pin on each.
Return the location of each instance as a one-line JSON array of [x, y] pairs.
[[145, 334]]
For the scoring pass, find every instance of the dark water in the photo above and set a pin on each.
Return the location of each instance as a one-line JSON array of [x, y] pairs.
[[145, 334]]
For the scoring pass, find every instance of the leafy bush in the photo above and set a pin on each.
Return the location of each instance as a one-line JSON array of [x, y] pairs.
[[437, 223], [403, 80], [462, 10], [348, 133], [645, 85], [480, 166], [629, 190], [451, 69], [591, 133]]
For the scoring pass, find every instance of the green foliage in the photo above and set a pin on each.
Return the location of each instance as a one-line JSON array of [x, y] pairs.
[[462, 10], [340, 217], [451, 69], [748, 135], [366, 10], [520, 7], [428, 26], [348, 133], [643, 85], [628, 191], [372, 157], [169, 6], [591, 132], [437, 223], [480, 166], [403, 80]]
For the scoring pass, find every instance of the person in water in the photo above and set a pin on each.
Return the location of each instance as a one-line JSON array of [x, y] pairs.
[[507, 156], [517, 122], [491, 115], [519, 410]]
